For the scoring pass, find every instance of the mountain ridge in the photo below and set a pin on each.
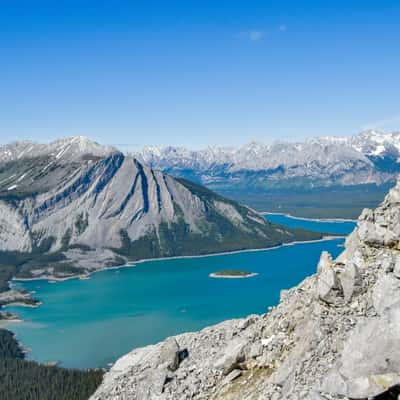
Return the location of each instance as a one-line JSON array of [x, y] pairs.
[[67, 148], [369, 157]]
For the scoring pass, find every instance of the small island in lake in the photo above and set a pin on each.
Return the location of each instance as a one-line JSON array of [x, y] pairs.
[[232, 273]]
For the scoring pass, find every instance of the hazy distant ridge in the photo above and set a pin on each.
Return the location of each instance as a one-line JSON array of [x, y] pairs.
[[369, 157]]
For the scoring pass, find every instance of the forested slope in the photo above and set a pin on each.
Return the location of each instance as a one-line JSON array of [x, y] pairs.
[[27, 380]]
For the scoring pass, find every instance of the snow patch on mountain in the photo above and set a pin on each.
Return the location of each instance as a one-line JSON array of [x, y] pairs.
[[70, 149], [369, 157]]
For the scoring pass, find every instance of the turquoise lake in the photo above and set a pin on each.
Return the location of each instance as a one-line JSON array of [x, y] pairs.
[[332, 226], [90, 323]]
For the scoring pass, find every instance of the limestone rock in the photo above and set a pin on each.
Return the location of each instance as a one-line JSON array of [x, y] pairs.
[[370, 361], [233, 375], [233, 355], [169, 354], [327, 280], [349, 280], [396, 268], [386, 293], [325, 261]]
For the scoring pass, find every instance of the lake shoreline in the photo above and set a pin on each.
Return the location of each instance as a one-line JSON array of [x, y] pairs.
[[82, 277], [215, 275], [333, 240], [133, 264], [22, 304], [5, 322], [338, 220], [52, 279]]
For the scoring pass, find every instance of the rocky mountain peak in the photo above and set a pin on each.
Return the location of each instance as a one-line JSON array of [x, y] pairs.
[[65, 149], [80, 145], [376, 143], [334, 336]]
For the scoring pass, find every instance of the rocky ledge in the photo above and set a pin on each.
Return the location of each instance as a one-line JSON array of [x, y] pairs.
[[334, 336], [20, 297]]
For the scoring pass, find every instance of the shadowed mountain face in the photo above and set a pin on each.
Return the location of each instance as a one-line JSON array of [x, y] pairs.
[[74, 205]]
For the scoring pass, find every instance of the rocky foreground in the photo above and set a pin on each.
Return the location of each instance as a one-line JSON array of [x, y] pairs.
[[334, 336]]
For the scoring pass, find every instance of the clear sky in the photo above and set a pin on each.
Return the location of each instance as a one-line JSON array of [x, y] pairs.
[[197, 73]]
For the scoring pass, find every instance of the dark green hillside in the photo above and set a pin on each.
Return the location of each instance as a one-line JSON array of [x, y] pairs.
[[9, 347], [329, 202], [219, 233], [6, 273], [28, 380]]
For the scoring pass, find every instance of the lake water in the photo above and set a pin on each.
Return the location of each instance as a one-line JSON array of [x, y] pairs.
[[90, 323], [332, 226]]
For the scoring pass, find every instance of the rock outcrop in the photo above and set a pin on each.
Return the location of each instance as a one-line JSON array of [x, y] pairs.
[[334, 336]]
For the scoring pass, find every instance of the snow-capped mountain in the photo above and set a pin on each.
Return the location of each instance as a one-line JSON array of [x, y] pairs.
[[369, 157], [68, 149], [73, 205]]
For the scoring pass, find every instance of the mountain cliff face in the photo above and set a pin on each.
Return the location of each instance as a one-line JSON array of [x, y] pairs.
[[369, 157], [334, 336], [74, 205]]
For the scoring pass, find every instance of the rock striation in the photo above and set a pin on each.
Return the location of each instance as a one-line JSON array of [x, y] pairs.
[[334, 336]]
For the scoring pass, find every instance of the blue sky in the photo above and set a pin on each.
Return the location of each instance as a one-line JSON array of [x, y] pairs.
[[197, 73]]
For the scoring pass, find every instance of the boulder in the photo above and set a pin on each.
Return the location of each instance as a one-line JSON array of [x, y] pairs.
[[349, 280], [327, 281], [233, 375], [396, 268], [385, 293], [233, 355], [386, 261], [325, 261], [169, 354], [256, 350], [153, 386], [370, 361]]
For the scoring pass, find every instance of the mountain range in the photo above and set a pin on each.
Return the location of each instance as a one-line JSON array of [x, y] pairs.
[[74, 206], [370, 157]]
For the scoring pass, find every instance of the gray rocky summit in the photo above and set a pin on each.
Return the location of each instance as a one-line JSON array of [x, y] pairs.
[[334, 336]]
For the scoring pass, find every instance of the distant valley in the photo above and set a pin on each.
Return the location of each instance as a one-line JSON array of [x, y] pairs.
[[347, 174]]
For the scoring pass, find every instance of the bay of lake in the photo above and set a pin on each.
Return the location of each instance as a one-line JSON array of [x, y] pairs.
[[90, 323]]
